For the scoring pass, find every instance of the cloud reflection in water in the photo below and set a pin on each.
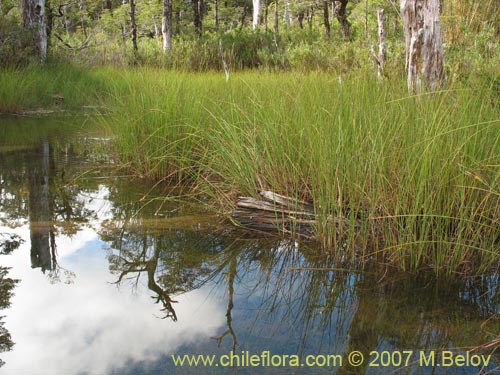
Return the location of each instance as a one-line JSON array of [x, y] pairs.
[[92, 326]]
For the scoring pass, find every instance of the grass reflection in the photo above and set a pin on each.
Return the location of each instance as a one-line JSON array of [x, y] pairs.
[[299, 301]]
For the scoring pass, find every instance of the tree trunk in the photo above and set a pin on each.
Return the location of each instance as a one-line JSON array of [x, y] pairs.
[[33, 16], [216, 14], [243, 16], [266, 11], [367, 34], [300, 19], [342, 17], [326, 18], [166, 25], [177, 23], [310, 17], [197, 17], [68, 22], [133, 24], [201, 5], [255, 14], [286, 13], [49, 19], [424, 44], [276, 18], [382, 54], [155, 25]]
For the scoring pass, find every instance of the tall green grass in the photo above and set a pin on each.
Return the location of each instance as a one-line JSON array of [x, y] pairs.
[[411, 180], [158, 119], [55, 87]]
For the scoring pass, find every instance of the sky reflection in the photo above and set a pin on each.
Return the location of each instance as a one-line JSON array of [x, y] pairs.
[[84, 231], [92, 326]]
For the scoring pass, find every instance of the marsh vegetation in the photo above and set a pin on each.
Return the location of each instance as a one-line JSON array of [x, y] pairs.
[[229, 106]]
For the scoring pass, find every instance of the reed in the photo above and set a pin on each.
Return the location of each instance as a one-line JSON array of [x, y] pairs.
[[415, 178], [409, 180], [55, 87]]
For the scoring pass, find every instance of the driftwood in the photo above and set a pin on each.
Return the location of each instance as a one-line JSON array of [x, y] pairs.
[[286, 215], [276, 213]]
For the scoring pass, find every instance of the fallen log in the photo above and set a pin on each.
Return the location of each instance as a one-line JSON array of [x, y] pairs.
[[276, 213], [285, 201], [255, 204]]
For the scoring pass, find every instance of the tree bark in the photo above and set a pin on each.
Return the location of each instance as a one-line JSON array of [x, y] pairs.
[[266, 12], [276, 18], [68, 22], [255, 14], [49, 20], [310, 17], [216, 14], [367, 34], [243, 16], [287, 13], [133, 24], [326, 18], [342, 17], [166, 25], [424, 44], [197, 17], [155, 25], [300, 19], [33, 16], [382, 54]]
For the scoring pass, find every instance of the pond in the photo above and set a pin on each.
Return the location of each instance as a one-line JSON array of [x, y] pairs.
[[104, 274]]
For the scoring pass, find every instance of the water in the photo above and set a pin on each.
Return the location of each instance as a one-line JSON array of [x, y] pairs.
[[101, 275]]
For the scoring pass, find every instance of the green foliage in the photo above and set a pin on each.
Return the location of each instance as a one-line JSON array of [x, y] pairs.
[[97, 33], [16, 45]]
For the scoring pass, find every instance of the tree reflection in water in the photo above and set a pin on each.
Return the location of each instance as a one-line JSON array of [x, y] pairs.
[[231, 276], [300, 300], [7, 286], [303, 301], [173, 260], [52, 204], [143, 262]]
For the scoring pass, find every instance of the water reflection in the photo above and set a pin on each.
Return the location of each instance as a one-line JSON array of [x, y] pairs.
[[43, 247], [128, 262], [289, 299], [36, 189], [6, 290]]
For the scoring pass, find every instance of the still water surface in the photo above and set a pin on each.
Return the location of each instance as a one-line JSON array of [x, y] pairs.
[[101, 275]]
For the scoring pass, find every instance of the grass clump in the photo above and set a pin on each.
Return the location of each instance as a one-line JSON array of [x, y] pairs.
[[413, 180], [409, 180], [54, 87]]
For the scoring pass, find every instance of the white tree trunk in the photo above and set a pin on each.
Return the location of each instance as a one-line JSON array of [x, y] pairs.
[[424, 43], [286, 13], [157, 31], [382, 54], [34, 20], [256, 13], [68, 22]]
